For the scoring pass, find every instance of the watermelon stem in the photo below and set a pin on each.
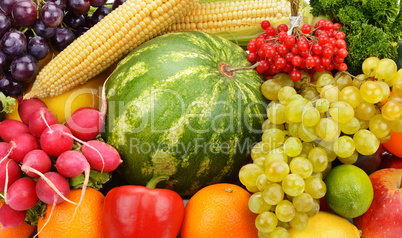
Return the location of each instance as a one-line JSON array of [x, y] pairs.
[[155, 180], [227, 68]]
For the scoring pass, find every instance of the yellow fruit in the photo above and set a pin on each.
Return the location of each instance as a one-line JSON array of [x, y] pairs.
[[14, 114], [326, 225]]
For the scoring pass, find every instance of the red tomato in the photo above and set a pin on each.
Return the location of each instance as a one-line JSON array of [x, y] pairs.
[[394, 144]]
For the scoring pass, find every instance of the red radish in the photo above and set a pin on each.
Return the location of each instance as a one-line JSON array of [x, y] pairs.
[[21, 194], [37, 159], [86, 124], [72, 163], [9, 173], [101, 156], [3, 149], [56, 139], [52, 188], [29, 106], [21, 145], [10, 217], [40, 120], [10, 129]]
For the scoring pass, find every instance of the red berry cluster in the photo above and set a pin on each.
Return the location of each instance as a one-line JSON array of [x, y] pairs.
[[318, 49]]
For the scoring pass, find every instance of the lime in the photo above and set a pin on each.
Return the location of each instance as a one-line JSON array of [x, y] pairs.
[[349, 190]]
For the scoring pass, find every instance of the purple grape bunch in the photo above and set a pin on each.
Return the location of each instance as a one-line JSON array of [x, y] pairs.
[[30, 28]]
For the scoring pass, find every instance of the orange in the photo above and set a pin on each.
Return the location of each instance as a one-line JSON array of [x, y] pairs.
[[22, 231], [87, 222], [219, 210]]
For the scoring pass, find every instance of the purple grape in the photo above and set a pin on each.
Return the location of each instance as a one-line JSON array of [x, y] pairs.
[[97, 3], [62, 38], [7, 5], [42, 30], [79, 7], [80, 31], [88, 21], [38, 47], [24, 68], [5, 24], [24, 12], [13, 43], [3, 61], [9, 86], [51, 14], [73, 20], [117, 3], [100, 13], [60, 3]]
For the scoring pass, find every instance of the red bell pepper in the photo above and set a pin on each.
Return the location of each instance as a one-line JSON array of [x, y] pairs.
[[142, 212]]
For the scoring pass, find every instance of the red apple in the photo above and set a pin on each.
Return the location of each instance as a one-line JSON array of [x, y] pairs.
[[383, 219], [390, 161]]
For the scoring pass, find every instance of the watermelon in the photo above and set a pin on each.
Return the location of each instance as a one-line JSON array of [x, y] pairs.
[[174, 109]]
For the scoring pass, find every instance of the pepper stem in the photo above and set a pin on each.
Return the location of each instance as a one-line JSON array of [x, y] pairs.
[[155, 180]]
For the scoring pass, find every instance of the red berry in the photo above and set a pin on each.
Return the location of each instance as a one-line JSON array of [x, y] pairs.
[[338, 60], [310, 62], [332, 40], [330, 67], [337, 26], [259, 42], [317, 49], [322, 39], [265, 24], [280, 62], [281, 49], [290, 40], [325, 61], [306, 28], [297, 60], [342, 67], [283, 28], [340, 35], [327, 52], [328, 25], [270, 31], [302, 46], [294, 50], [270, 52], [295, 75], [261, 53], [289, 56], [252, 47], [340, 44], [304, 53], [252, 57], [317, 61], [342, 53], [319, 68], [262, 67], [282, 36], [275, 69]]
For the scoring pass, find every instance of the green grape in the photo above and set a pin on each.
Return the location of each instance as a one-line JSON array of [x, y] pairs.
[[294, 110], [365, 111], [305, 79], [284, 79], [285, 225], [276, 113], [262, 182], [273, 194], [252, 189], [359, 79], [396, 126], [270, 89], [318, 158], [249, 173], [285, 94], [327, 129], [385, 139], [318, 175], [397, 84], [307, 134], [323, 80], [260, 161], [344, 146], [273, 138], [395, 98], [263, 234], [307, 146], [309, 93], [276, 154], [266, 222], [276, 170], [301, 166], [330, 92], [366, 142], [386, 69], [343, 80], [397, 77], [341, 112], [351, 95], [257, 204], [322, 105], [293, 185], [315, 187], [364, 124], [285, 211], [303, 202], [315, 209], [392, 110], [259, 150], [317, 74], [326, 170], [310, 116], [300, 221], [385, 90], [296, 97], [380, 126], [293, 129], [369, 66], [371, 92], [327, 146], [279, 232], [267, 124], [351, 159], [293, 146], [350, 127]]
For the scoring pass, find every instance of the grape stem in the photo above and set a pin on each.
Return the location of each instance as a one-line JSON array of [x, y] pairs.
[[230, 69]]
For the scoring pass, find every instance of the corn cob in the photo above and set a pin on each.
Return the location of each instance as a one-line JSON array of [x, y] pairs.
[[104, 44], [238, 20]]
